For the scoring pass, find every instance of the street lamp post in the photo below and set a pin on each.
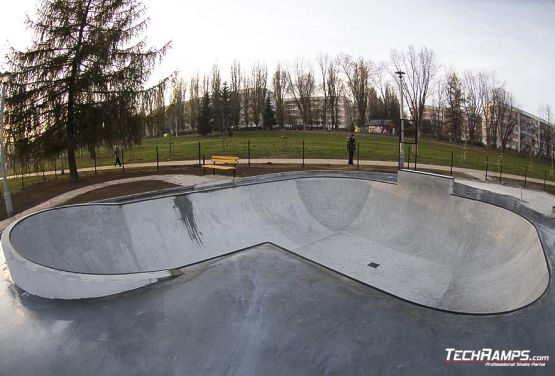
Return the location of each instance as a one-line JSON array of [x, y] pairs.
[[402, 131], [7, 195]]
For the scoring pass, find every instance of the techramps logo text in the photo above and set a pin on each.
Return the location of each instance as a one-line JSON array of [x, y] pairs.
[[496, 358]]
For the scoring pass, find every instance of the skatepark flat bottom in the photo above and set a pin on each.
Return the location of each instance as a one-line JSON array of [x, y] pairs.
[[259, 311]]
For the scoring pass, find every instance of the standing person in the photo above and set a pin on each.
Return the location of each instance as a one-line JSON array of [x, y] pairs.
[[351, 147], [117, 155]]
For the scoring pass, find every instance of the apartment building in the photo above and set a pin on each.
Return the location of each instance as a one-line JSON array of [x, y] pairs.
[[441, 119], [252, 108], [294, 119], [529, 135]]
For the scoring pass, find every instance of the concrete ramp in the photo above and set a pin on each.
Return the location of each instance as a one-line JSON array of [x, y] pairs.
[[414, 239]]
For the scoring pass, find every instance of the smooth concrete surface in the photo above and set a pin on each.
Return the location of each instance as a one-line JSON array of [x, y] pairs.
[[539, 201], [262, 311], [266, 311], [59, 284], [189, 181], [433, 248]]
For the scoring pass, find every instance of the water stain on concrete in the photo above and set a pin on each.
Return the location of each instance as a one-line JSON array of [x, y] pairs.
[[185, 207]]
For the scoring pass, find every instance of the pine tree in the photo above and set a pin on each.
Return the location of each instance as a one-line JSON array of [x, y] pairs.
[[269, 114], [81, 83], [225, 109], [205, 118], [455, 99]]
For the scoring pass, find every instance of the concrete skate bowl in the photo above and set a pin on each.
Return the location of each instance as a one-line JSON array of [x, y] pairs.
[[414, 239]]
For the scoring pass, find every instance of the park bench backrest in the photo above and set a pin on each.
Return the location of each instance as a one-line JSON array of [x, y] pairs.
[[224, 159]]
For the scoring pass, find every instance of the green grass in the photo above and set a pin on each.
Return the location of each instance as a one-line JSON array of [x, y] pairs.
[[317, 144]]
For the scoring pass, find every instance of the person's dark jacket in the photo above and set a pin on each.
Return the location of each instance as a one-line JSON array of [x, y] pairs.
[[351, 145]]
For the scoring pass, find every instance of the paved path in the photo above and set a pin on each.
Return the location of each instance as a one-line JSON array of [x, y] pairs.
[[477, 174], [541, 202]]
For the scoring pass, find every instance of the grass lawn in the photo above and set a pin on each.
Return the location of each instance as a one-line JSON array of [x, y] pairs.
[[317, 144]]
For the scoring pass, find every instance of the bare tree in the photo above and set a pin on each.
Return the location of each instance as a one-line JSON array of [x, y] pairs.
[[279, 84], [194, 101], [335, 89], [215, 79], [473, 105], [179, 89], [235, 95], [301, 85], [206, 86], [389, 100], [324, 62], [505, 116], [259, 82], [438, 109], [487, 83], [246, 99], [546, 131], [421, 68], [358, 81], [158, 114], [546, 113]]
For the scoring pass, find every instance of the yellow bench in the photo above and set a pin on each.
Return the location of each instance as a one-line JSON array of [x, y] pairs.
[[222, 162]]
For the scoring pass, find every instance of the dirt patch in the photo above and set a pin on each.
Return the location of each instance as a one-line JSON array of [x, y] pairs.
[[118, 190]]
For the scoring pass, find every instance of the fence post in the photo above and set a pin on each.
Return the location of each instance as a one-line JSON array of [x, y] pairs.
[[452, 155], [122, 162], [43, 177], [249, 151], [399, 151], [358, 156], [303, 153], [416, 151], [408, 159], [487, 166], [198, 155], [500, 170], [525, 176], [158, 159], [544, 179], [95, 161]]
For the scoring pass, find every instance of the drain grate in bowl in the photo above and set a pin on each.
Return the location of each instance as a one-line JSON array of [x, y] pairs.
[[373, 265]]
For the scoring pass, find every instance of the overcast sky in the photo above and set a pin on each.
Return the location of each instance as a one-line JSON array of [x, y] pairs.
[[515, 38]]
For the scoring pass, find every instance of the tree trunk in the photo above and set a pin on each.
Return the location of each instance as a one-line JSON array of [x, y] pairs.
[[73, 174]]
